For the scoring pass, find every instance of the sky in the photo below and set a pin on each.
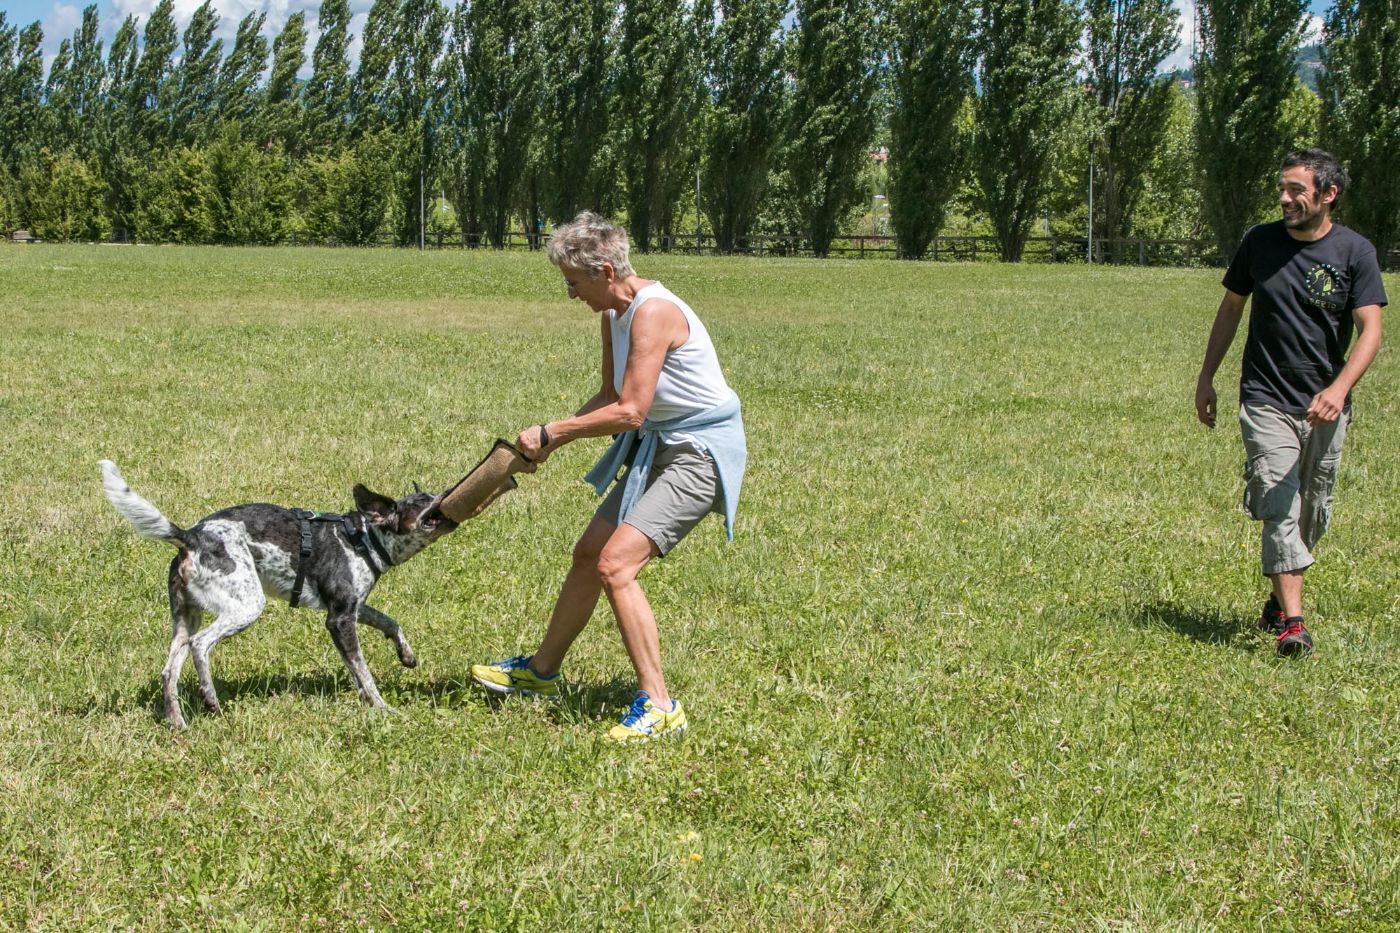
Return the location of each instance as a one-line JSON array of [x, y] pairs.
[[60, 18]]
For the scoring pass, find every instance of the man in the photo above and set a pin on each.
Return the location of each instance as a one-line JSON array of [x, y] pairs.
[[1312, 281], [679, 433]]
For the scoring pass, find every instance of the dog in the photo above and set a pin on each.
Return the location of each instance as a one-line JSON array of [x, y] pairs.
[[231, 561]]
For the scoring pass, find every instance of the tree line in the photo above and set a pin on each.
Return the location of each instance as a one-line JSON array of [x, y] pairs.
[[756, 115]]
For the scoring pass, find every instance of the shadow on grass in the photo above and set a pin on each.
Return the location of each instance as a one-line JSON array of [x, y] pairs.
[[1210, 626], [577, 702]]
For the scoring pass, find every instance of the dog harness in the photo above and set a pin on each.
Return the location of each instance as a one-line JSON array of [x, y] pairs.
[[361, 538]]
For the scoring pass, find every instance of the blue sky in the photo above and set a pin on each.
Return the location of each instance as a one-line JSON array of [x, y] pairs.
[[61, 17]]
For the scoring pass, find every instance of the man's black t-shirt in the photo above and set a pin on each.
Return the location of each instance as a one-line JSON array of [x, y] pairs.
[[1301, 321]]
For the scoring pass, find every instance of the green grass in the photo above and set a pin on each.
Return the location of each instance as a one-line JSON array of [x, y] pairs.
[[979, 657]]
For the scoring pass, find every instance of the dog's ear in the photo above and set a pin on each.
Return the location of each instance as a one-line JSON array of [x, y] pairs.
[[380, 509], [416, 487]]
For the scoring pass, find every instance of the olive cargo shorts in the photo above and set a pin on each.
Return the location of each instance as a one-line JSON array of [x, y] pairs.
[[1290, 468]]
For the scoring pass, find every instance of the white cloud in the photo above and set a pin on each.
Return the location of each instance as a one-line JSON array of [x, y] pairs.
[[1186, 26], [1313, 31]]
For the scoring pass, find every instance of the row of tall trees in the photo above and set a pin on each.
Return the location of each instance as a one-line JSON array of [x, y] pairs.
[[768, 109]]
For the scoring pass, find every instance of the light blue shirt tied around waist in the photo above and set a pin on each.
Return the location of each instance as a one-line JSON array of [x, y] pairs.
[[720, 430]]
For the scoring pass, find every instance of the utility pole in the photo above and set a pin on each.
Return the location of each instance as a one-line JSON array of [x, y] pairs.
[[697, 204], [1090, 249]]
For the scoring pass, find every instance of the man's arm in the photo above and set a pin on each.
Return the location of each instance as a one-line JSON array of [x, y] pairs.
[[1327, 405], [1222, 334]]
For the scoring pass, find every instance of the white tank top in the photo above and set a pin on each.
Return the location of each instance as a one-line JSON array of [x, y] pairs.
[[690, 381]]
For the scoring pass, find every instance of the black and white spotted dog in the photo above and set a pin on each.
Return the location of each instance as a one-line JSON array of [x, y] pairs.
[[230, 561]]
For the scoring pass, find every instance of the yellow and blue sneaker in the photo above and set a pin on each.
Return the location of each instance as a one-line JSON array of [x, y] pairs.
[[513, 675], [645, 721]]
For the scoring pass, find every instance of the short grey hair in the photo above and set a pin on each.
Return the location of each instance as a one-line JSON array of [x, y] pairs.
[[588, 241]]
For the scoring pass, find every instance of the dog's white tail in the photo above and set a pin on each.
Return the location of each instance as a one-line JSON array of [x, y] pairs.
[[144, 517]]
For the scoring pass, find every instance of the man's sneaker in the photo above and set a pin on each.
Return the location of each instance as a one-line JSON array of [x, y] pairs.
[[645, 721], [1294, 640], [513, 675], [1272, 619]]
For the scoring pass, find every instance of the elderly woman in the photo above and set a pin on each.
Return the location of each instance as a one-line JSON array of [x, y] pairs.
[[677, 430]]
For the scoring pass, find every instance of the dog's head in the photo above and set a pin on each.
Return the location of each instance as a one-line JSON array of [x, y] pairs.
[[406, 526]]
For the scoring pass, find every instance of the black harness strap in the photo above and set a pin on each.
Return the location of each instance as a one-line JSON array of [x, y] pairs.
[[305, 518], [361, 538]]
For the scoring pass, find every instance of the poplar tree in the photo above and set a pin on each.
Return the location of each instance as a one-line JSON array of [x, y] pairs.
[[1026, 77], [369, 94], [461, 154], [24, 95], [238, 92], [494, 91], [59, 125], [1361, 113], [195, 78], [577, 154], [281, 119], [1244, 75], [833, 113], [119, 82], [149, 85], [740, 126], [931, 61], [119, 142], [1127, 40], [328, 90], [413, 92], [657, 102]]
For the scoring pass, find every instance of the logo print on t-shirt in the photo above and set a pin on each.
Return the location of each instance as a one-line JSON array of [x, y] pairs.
[[1324, 285]]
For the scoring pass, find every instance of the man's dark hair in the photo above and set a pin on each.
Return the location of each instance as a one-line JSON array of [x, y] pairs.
[[1327, 171]]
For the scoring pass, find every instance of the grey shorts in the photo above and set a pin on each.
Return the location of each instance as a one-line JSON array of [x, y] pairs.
[[683, 488], [1290, 469]]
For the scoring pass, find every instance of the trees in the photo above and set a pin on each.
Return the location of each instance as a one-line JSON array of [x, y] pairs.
[[281, 117], [575, 132], [21, 92], [239, 96], [931, 60], [74, 89], [64, 198], [741, 122], [658, 98], [370, 89], [1244, 72], [1126, 42], [492, 76], [196, 78], [832, 114], [149, 95], [1026, 76], [1361, 113], [412, 92], [327, 92]]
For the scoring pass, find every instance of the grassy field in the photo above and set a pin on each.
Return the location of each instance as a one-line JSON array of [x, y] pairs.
[[980, 656]]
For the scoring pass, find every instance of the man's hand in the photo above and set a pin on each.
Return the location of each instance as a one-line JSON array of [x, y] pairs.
[[1326, 406], [1205, 402]]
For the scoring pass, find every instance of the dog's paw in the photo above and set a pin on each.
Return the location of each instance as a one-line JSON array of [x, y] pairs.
[[407, 658]]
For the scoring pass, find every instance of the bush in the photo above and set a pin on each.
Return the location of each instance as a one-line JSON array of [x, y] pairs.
[[9, 205], [252, 191], [63, 198], [346, 197], [178, 199]]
